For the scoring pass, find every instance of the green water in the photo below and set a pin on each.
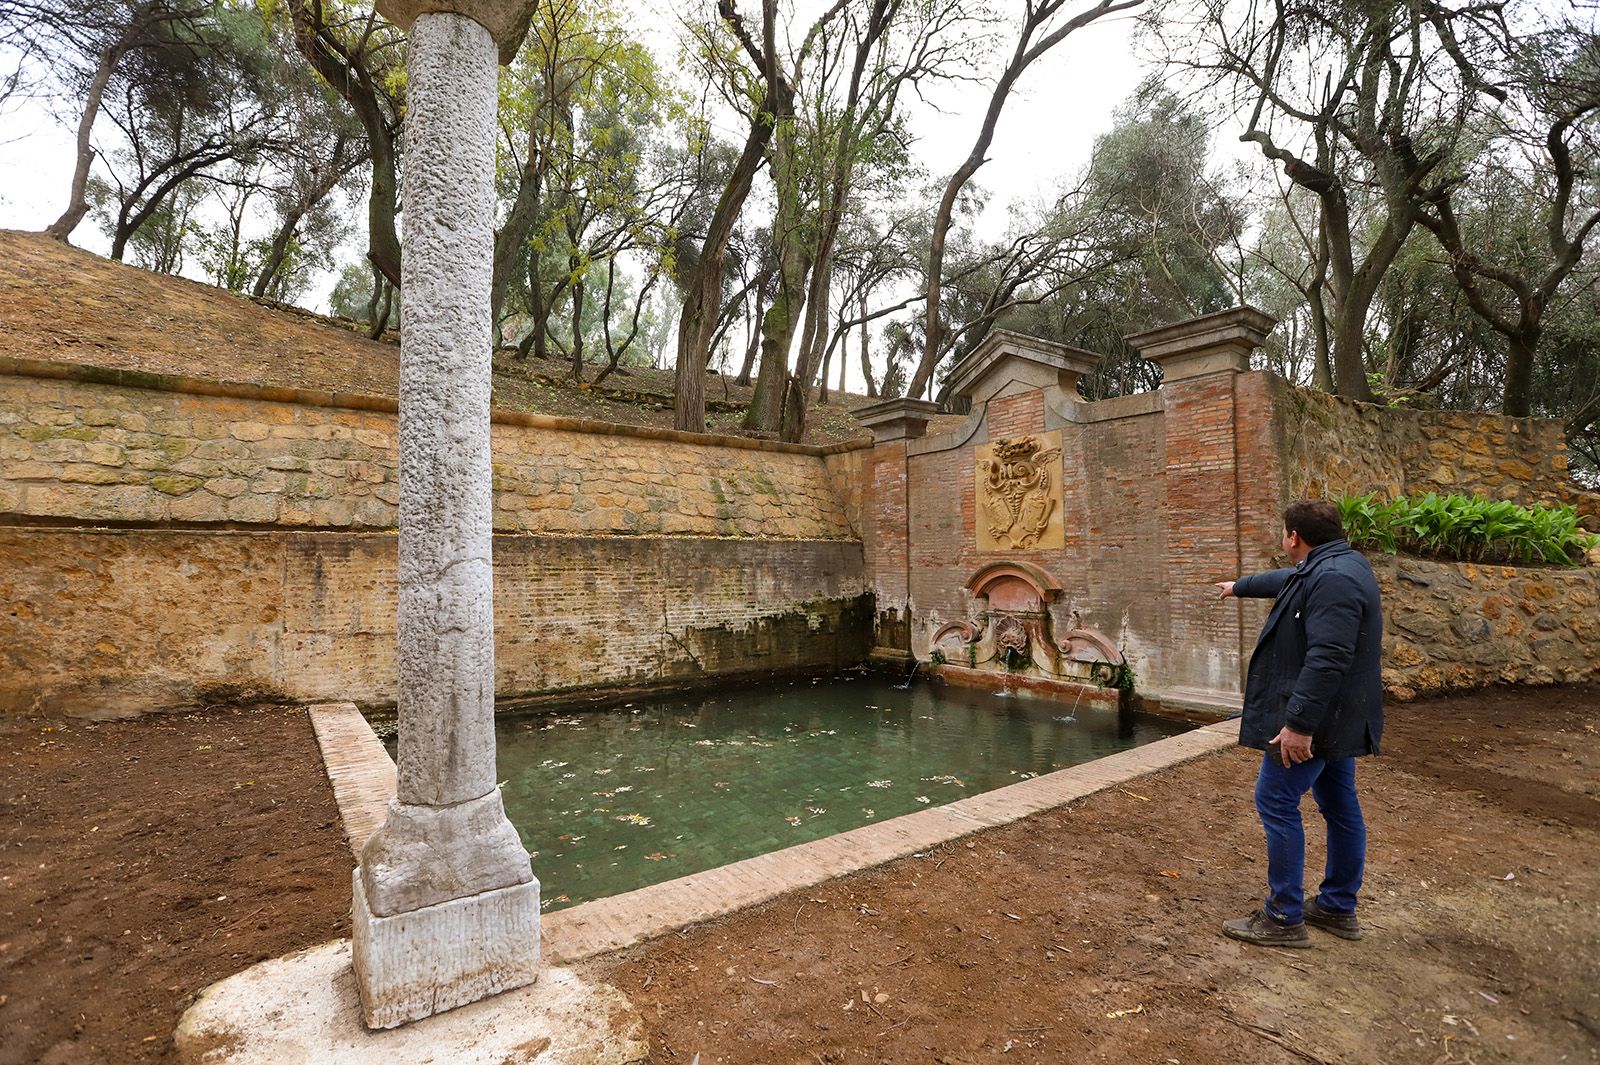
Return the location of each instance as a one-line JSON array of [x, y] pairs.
[[612, 800]]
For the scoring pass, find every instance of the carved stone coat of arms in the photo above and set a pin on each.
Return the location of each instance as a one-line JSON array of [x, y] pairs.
[[1019, 493]]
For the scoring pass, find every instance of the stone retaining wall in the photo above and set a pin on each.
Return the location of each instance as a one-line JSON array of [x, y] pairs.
[[1460, 625], [118, 621], [77, 448], [166, 541], [1333, 446]]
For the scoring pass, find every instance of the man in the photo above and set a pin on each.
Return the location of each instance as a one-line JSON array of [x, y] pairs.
[[1313, 702]]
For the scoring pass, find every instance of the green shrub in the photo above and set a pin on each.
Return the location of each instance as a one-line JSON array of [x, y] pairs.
[[1467, 528]]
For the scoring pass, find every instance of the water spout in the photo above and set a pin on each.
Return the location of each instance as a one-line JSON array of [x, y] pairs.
[[906, 684]]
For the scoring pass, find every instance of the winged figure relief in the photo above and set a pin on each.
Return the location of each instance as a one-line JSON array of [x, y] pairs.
[[1017, 503]]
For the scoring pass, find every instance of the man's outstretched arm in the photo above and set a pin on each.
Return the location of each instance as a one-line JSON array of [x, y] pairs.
[[1256, 586]]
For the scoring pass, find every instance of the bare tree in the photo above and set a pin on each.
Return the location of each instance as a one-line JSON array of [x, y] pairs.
[[358, 55], [1039, 32], [1363, 107], [698, 320], [1558, 87]]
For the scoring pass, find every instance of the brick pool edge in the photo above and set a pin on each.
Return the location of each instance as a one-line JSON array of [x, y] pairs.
[[363, 779]]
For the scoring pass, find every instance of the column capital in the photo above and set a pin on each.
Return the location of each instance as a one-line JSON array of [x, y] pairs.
[[1213, 343], [506, 20], [897, 419]]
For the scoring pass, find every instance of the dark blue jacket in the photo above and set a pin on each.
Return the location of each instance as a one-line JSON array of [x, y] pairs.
[[1317, 666]]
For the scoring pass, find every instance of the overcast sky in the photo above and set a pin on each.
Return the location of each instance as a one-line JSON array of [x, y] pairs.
[[1047, 131]]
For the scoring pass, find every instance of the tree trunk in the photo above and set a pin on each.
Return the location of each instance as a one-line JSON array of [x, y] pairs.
[[352, 83], [754, 344], [698, 319], [1520, 348], [866, 358], [78, 203], [577, 330]]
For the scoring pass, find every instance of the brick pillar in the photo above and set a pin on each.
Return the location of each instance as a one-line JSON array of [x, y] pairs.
[[885, 513], [1201, 361]]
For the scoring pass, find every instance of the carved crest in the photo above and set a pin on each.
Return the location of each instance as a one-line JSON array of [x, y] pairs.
[[1017, 492]]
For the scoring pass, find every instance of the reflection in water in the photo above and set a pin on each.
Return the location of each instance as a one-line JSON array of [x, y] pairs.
[[613, 800]]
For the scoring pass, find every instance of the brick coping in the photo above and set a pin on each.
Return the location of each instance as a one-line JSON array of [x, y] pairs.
[[362, 775], [15, 366]]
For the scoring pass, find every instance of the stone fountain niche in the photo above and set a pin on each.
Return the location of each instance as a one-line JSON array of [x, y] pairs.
[[1014, 637]]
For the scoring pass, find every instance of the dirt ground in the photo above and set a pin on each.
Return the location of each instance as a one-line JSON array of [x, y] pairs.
[[142, 860], [1089, 934]]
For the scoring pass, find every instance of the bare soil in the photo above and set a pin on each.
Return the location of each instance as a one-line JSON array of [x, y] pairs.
[[142, 860], [125, 318]]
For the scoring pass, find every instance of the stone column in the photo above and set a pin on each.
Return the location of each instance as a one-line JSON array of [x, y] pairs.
[[446, 907]]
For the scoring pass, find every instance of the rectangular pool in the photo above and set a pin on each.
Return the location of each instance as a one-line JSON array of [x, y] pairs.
[[612, 800]]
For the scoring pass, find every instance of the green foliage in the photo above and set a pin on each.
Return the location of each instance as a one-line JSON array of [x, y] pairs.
[[1468, 528], [1118, 675]]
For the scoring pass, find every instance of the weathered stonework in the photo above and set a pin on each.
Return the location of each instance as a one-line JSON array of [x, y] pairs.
[[1334, 446], [1019, 487], [72, 449], [118, 621], [1451, 625]]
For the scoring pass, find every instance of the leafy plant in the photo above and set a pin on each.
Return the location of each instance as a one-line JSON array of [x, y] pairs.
[[1118, 675], [1467, 528]]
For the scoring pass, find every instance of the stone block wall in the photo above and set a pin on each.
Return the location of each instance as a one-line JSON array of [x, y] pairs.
[[82, 449], [167, 542], [1460, 625], [1333, 446]]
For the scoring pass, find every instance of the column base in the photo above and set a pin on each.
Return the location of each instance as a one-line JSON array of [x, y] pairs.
[[421, 962]]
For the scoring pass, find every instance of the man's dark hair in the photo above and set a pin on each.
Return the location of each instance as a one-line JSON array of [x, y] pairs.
[[1316, 520]]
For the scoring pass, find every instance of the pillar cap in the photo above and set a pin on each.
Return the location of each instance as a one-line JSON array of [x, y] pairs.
[[897, 419], [1213, 343], [1007, 362], [506, 20]]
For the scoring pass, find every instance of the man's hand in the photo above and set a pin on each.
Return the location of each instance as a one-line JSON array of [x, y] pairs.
[[1225, 589], [1293, 747]]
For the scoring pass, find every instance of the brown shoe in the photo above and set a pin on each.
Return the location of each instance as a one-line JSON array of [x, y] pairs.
[[1343, 925], [1263, 931]]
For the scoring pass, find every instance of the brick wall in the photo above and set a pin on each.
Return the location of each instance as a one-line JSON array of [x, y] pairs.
[[109, 621], [1163, 497]]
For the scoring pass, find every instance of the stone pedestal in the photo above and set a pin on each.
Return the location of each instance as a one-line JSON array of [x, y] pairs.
[[446, 906], [425, 961]]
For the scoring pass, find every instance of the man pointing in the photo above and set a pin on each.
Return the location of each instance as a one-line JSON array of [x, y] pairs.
[[1313, 701]]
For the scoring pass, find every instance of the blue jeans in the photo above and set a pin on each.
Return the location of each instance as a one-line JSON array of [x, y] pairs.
[[1278, 793]]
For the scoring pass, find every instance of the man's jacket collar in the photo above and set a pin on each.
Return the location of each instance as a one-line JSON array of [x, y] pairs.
[[1340, 546]]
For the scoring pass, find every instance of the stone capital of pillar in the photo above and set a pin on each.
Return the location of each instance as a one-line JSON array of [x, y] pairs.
[[897, 419], [1213, 343], [506, 20]]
